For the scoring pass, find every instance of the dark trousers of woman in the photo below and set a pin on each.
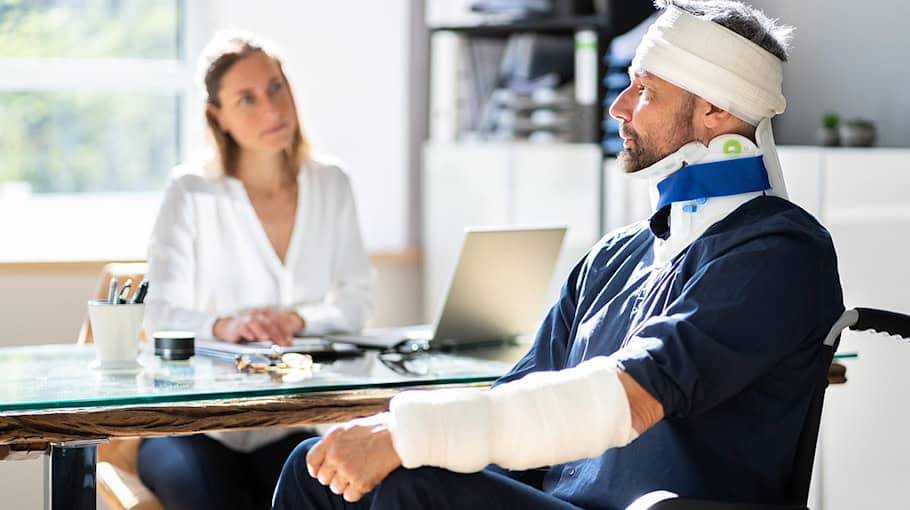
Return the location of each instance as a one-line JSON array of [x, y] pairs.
[[199, 473], [423, 488]]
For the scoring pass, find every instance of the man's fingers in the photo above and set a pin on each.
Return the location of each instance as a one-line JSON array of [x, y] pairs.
[[315, 458], [352, 494], [325, 474], [338, 484]]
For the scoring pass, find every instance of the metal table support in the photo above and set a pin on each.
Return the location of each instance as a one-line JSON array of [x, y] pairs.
[[70, 476]]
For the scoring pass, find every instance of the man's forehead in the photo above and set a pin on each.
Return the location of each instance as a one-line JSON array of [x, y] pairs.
[[640, 74], [645, 76]]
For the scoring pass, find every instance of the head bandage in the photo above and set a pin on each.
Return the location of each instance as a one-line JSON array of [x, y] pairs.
[[724, 68]]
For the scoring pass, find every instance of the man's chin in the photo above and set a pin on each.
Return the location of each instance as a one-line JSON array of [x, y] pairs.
[[628, 162]]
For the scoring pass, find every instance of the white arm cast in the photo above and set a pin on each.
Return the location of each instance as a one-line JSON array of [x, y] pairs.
[[542, 419]]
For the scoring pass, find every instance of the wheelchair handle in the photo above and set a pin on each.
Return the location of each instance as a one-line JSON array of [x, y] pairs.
[[870, 319], [882, 321]]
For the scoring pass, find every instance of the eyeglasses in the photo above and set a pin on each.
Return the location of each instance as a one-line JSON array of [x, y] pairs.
[[287, 367]]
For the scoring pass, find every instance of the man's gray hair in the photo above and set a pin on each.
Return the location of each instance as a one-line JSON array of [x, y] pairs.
[[743, 19]]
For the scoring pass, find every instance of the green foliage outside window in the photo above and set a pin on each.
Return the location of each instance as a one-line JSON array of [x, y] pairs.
[[90, 28], [88, 140]]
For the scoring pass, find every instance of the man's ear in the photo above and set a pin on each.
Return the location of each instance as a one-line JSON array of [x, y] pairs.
[[716, 119]]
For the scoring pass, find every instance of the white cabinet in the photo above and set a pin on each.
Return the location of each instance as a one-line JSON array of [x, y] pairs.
[[485, 184], [864, 446]]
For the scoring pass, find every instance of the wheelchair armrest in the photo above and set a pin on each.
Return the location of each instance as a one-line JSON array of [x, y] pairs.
[[697, 504]]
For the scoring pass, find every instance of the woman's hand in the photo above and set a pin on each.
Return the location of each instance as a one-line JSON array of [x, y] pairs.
[[290, 322], [260, 325]]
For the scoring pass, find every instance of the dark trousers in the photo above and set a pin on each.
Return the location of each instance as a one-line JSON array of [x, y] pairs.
[[199, 473], [429, 488]]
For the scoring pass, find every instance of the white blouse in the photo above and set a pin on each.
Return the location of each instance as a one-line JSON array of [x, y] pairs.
[[209, 257]]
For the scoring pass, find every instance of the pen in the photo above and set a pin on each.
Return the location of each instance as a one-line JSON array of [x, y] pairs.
[[125, 292], [112, 293], [139, 296]]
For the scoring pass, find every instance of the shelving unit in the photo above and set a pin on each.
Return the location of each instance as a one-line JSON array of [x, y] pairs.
[[567, 27], [468, 181]]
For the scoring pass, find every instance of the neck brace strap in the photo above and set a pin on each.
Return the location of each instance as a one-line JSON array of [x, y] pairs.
[[715, 179]]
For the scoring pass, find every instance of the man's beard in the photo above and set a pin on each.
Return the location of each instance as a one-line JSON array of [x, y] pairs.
[[644, 151]]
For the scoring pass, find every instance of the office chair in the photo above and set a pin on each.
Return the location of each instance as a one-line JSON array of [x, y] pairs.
[[856, 319], [118, 473]]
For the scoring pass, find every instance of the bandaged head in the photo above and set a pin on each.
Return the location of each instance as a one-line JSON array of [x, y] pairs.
[[724, 68], [711, 61]]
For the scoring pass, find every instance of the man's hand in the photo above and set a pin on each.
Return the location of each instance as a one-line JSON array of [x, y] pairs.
[[262, 324], [354, 457]]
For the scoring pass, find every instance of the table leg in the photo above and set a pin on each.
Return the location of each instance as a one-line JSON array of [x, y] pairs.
[[70, 476]]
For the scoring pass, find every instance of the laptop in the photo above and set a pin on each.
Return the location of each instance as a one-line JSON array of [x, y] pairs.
[[496, 293]]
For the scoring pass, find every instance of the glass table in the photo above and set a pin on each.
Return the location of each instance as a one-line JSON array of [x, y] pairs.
[[51, 400]]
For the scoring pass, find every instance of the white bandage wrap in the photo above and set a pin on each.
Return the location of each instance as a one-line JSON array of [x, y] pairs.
[[542, 419], [715, 63]]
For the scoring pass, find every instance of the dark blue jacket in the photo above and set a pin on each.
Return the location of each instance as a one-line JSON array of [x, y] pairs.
[[724, 336]]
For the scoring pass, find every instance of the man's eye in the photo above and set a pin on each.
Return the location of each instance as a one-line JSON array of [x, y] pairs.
[[246, 100], [275, 87]]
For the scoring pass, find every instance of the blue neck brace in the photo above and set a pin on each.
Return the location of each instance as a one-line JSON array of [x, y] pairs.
[[715, 179]]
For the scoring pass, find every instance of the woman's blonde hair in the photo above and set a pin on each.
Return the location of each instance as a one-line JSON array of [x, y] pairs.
[[219, 55]]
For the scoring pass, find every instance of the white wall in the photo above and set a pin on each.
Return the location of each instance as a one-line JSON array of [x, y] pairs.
[[849, 57]]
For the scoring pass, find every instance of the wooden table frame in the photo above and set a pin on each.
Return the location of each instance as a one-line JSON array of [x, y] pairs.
[[68, 437]]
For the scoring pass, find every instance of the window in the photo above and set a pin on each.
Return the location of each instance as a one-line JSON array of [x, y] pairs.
[[92, 94]]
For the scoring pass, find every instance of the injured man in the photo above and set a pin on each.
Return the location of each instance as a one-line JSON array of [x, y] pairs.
[[679, 356]]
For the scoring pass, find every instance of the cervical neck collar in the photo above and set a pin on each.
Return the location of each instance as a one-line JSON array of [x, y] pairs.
[[728, 147], [703, 184]]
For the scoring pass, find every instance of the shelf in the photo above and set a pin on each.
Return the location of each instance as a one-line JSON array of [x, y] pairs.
[[563, 26]]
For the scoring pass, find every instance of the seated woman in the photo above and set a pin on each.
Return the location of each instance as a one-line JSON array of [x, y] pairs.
[[264, 245]]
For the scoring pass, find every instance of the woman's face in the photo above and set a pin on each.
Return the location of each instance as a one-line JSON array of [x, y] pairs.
[[256, 106]]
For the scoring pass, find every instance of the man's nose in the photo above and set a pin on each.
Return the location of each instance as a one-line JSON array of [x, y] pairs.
[[621, 108]]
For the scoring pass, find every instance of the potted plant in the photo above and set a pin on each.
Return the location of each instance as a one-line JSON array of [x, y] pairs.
[[857, 133], [827, 134]]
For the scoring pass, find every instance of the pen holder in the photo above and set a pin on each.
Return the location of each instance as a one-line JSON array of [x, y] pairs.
[[116, 331]]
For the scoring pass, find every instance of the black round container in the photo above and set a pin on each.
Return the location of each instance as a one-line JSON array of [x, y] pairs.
[[175, 345]]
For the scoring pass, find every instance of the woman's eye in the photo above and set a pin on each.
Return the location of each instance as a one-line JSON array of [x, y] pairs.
[[246, 100], [275, 87]]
